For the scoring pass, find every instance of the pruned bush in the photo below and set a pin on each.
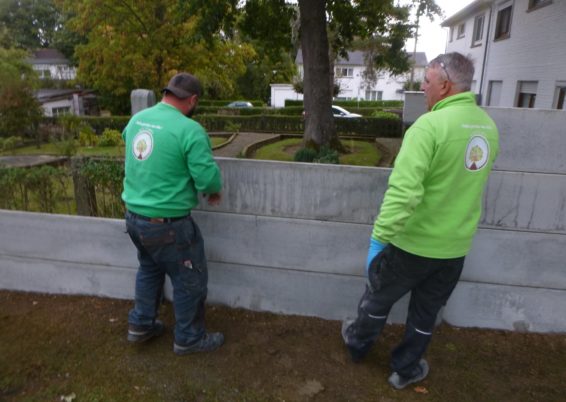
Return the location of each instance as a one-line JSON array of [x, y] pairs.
[[327, 155], [385, 115], [305, 155], [88, 137], [110, 138]]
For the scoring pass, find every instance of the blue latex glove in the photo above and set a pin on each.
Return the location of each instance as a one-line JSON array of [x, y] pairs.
[[375, 247]]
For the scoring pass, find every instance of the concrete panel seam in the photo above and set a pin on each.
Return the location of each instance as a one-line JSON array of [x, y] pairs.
[[93, 264]]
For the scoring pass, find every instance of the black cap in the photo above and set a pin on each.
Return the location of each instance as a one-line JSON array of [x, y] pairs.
[[183, 85]]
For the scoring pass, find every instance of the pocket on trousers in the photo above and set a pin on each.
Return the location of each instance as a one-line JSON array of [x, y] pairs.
[[157, 237], [380, 272], [190, 248]]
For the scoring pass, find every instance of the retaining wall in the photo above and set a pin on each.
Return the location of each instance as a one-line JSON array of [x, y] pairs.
[[292, 238]]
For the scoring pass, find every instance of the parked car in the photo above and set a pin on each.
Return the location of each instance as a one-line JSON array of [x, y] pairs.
[[240, 104], [338, 111]]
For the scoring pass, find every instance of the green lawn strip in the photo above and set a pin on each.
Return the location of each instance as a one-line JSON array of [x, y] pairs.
[[362, 153]]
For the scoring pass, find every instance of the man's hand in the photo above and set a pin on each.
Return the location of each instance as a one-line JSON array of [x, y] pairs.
[[375, 247], [214, 199]]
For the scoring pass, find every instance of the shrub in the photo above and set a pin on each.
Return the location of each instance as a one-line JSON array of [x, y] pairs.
[[110, 138], [305, 155], [327, 155], [10, 143], [385, 115], [87, 137]]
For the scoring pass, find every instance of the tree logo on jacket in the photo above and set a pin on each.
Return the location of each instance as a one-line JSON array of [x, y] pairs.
[[142, 145], [477, 153]]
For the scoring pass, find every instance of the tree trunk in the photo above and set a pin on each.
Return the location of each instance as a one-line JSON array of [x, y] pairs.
[[319, 123]]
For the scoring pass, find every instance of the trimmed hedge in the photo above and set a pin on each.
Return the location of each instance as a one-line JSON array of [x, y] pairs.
[[365, 126], [272, 123], [353, 103]]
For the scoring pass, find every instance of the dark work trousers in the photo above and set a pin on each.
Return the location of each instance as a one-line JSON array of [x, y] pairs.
[[392, 274]]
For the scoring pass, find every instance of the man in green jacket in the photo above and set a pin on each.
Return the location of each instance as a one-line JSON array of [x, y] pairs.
[[428, 217], [168, 162]]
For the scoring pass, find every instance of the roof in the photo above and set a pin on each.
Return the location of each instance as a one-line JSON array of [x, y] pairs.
[[48, 56], [46, 95], [464, 13], [356, 58]]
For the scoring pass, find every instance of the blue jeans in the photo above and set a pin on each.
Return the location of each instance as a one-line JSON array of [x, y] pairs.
[[175, 249], [392, 274]]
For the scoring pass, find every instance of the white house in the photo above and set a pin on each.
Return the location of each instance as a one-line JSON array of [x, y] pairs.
[[519, 49], [57, 102], [50, 63], [349, 74]]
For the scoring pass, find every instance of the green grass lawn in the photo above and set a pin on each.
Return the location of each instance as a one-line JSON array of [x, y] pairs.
[[361, 153]]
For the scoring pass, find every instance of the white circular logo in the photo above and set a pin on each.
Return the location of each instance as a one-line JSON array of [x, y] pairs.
[[142, 145], [477, 153]]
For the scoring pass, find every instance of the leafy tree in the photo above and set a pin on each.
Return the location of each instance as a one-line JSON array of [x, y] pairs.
[[31, 23], [266, 25], [141, 44], [19, 110], [331, 27]]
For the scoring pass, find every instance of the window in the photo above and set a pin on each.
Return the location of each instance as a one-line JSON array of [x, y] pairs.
[[560, 96], [344, 72], [494, 93], [451, 34], [374, 95], [461, 30], [60, 111], [503, 24], [534, 4], [478, 30], [526, 94]]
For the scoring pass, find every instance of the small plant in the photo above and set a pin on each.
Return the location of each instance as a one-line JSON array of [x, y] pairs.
[[327, 155], [87, 137], [10, 143], [232, 127], [110, 138], [305, 155]]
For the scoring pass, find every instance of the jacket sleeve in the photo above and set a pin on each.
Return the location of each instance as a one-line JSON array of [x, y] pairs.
[[406, 183], [202, 166]]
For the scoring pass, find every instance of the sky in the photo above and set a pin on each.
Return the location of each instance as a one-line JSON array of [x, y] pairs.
[[432, 37]]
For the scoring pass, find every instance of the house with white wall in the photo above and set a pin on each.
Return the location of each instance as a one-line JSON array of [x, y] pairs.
[[519, 51], [51, 63], [349, 74]]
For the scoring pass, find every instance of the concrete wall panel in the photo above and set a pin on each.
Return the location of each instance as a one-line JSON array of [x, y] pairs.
[[517, 258], [506, 307]]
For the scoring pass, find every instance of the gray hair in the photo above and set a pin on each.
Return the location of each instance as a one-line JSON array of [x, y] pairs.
[[457, 69]]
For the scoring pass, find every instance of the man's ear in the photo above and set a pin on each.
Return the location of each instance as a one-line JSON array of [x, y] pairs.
[[446, 88]]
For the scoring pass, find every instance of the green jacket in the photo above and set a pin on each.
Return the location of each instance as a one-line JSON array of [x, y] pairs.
[[433, 202], [168, 161]]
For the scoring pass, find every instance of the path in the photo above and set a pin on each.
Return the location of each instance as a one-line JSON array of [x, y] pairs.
[[241, 141]]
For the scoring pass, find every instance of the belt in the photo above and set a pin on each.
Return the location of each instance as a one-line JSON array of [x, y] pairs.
[[158, 220]]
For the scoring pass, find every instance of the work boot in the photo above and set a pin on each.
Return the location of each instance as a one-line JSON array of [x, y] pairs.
[[398, 381], [208, 343], [356, 354], [143, 333]]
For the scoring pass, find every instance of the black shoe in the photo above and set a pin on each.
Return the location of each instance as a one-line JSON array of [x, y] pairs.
[[399, 382], [355, 354], [139, 334], [209, 342]]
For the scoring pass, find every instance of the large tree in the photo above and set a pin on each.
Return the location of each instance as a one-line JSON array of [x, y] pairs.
[[19, 110], [142, 43], [32, 23], [328, 29], [266, 25]]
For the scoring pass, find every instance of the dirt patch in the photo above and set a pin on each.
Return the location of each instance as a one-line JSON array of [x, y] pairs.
[[64, 346]]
